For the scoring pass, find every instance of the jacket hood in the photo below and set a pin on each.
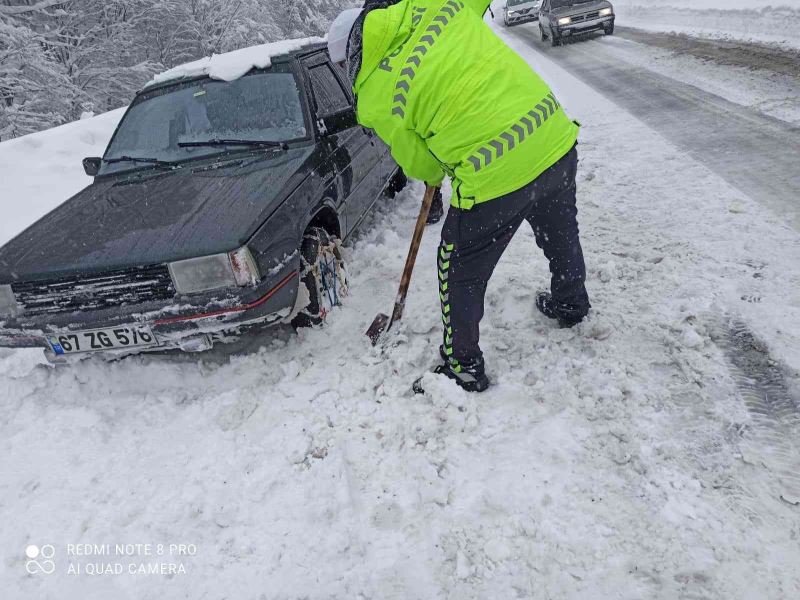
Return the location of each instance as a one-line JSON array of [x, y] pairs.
[[151, 217], [383, 29]]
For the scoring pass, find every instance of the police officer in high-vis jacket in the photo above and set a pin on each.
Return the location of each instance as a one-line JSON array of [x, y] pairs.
[[450, 98]]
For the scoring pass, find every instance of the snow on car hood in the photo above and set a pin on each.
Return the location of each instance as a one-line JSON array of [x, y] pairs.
[[233, 65], [151, 217]]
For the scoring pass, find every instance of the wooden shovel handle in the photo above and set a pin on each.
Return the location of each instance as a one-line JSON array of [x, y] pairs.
[[405, 281]]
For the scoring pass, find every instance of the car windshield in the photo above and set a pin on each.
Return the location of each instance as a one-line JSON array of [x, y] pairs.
[[560, 3], [518, 2], [162, 125]]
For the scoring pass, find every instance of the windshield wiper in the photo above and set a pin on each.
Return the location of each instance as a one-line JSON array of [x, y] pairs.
[[142, 159], [218, 142]]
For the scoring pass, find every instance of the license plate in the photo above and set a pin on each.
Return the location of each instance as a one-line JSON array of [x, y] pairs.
[[98, 340]]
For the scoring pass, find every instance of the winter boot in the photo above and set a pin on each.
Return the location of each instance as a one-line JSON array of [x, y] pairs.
[[437, 209], [567, 315], [470, 377]]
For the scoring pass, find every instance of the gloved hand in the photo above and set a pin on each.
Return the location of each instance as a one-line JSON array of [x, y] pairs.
[[437, 208]]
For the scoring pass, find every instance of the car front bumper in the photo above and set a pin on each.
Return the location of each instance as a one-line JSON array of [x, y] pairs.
[[189, 325], [518, 19], [582, 27]]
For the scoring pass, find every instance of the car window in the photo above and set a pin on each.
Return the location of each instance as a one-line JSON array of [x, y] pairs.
[[328, 92], [262, 106]]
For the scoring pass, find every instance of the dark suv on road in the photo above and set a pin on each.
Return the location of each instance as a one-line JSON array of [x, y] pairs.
[[561, 19], [218, 205]]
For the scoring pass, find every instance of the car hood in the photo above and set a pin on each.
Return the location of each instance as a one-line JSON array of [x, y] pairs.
[[576, 9], [151, 217], [524, 5]]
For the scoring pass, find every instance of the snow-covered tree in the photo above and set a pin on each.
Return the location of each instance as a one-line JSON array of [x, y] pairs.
[[29, 76], [59, 59]]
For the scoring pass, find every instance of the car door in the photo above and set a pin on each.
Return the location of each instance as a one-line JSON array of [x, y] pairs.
[[381, 164], [352, 151], [544, 14], [386, 163]]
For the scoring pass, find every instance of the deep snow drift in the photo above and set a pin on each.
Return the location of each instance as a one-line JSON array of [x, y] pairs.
[[616, 460]]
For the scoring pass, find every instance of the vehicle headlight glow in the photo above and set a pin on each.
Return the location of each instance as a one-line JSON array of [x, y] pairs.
[[194, 275], [8, 302], [604, 12], [512, 12], [565, 21]]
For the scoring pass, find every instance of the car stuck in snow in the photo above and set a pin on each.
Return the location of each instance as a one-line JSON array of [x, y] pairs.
[[220, 203]]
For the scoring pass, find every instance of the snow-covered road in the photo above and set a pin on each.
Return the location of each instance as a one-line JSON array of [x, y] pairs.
[[754, 152], [649, 453]]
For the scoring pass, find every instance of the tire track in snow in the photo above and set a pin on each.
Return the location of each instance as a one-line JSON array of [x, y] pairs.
[[772, 440]]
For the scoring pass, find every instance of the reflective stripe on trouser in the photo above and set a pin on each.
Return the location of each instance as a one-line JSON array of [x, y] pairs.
[[473, 241], [445, 254]]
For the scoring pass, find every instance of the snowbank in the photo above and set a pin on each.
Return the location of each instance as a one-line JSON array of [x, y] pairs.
[[770, 93], [233, 65], [753, 21], [42, 170]]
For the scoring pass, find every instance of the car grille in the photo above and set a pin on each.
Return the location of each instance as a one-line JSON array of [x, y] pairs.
[[96, 291], [586, 17]]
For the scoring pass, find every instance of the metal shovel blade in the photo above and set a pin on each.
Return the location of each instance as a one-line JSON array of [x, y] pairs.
[[377, 328]]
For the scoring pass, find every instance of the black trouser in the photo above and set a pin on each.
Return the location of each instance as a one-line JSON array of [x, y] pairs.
[[474, 240]]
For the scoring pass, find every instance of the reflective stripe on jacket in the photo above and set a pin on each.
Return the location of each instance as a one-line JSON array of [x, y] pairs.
[[449, 96]]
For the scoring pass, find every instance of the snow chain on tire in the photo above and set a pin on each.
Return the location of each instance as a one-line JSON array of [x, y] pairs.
[[324, 276]]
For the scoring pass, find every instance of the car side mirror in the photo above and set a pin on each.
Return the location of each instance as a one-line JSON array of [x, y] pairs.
[[91, 165], [340, 121]]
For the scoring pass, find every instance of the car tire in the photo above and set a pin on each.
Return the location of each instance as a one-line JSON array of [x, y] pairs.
[[323, 281], [554, 39], [609, 30], [397, 184], [542, 33]]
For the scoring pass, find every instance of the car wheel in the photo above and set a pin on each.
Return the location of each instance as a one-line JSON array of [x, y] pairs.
[[542, 33], [554, 39], [323, 282], [609, 30], [397, 184]]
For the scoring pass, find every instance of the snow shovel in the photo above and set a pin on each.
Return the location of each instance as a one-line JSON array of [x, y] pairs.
[[383, 323]]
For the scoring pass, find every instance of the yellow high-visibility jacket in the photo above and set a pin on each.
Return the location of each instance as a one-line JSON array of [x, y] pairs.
[[450, 97]]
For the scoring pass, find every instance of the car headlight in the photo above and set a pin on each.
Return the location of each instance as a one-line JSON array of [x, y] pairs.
[[8, 302], [604, 12], [237, 268], [565, 20], [512, 12]]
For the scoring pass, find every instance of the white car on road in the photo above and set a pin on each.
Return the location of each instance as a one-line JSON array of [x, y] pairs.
[[520, 11]]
